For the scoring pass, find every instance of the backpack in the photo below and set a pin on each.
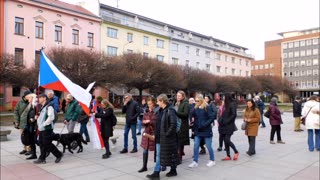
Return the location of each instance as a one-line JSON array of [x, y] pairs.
[[55, 114], [114, 120]]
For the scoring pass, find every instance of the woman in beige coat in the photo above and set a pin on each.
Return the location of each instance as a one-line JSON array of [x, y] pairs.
[[252, 117]]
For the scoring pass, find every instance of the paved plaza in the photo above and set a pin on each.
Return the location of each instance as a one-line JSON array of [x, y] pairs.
[[291, 161]]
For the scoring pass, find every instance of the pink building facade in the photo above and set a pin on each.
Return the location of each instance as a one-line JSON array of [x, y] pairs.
[[35, 24]]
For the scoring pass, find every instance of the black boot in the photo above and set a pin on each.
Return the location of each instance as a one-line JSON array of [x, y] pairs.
[[154, 176], [145, 161]]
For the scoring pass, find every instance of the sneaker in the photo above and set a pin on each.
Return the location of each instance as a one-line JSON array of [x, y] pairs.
[[211, 163], [236, 156], [124, 151], [105, 156], [193, 164], [226, 158], [280, 142], [134, 150], [58, 159], [39, 161], [272, 142]]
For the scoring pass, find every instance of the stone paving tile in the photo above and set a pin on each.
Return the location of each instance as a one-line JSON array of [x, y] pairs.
[[7, 174], [98, 175], [84, 169]]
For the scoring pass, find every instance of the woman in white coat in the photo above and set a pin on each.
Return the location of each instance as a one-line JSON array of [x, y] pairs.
[[311, 111]]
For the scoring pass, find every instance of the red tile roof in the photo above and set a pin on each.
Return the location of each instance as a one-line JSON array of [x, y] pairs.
[[66, 6]]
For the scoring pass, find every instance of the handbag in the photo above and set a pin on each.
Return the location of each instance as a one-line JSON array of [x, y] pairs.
[[303, 120], [267, 113], [244, 125], [149, 136]]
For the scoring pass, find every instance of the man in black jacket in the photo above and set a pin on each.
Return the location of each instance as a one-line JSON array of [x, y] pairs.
[[132, 111], [297, 108]]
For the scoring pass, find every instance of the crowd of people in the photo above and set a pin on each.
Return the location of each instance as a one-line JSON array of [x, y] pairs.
[[164, 126]]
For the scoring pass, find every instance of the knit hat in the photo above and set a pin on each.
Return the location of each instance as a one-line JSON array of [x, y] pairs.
[[43, 95], [26, 93], [274, 99]]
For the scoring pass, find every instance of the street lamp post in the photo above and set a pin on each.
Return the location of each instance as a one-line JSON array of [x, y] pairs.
[[125, 45]]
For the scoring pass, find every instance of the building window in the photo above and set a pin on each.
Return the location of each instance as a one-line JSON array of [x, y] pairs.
[[296, 44], [296, 63], [302, 52], [315, 41], [19, 25], [145, 54], [290, 44], [271, 66], [233, 60], [309, 62], [315, 62], [315, 72], [207, 54], [129, 37], [174, 47], [198, 52], [290, 54], [160, 43], [145, 40], [18, 56], [218, 69], [309, 52], [37, 57], [187, 63], [218, 56], [309, 42], [226, 58], [302, 73], [75, 36], [296, 54], [175, 61], [285, 64], [39, 30], [256, 67], [160, 58], [208, 67], [112, 51], [58, 34], [247, 63], [112, 33], [302, 63], [315, 51], [240, 61], [90, 39], [226, 70], [233, 71], [296, 73], [302, 43], [285, 46], [261, 66], [197, 65], [247, 74], [187, 49], [240, 72], [266, 66], [16, 91], [297, 83], [285, 55]]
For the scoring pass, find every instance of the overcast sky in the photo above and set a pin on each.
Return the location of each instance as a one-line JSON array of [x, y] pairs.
[[247, 23]]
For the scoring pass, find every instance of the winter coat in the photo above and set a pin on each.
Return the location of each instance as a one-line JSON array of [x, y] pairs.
[[106, 128], [203, 118], [183, 114], [19, 115], [297, 108], [168, 137], [260, 105], [73, 111], [132, 111], [150, 128], [253, 125], [46, 117], [312, 120], [227, 120], [275, 114], [55, 103]]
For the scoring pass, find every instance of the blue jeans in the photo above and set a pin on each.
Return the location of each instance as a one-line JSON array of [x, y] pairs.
[[133, 134], [311, 143], [157, 165], [261, 121], [208, 141], [139, 124], [83, 129]]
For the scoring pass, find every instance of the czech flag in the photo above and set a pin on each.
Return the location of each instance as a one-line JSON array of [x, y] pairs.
[[51, 78]]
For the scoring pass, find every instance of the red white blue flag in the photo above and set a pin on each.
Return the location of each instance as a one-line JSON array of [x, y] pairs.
[[51, 78]]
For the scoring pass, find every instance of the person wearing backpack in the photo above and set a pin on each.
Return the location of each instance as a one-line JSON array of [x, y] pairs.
[[106, 114], [182, 109], [203, 119]]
